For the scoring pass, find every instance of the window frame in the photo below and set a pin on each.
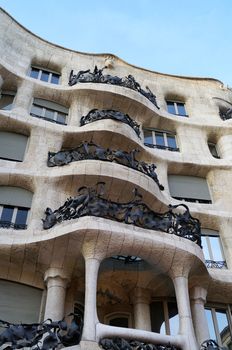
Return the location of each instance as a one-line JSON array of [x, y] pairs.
[[215, 147], [12, 224], [165, 136], [165, 302], [8, 93], [175, 105], [44, 109], [118, 314], [212, 263], [41, 70]]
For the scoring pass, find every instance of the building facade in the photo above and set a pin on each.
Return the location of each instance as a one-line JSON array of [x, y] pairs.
[[99, 149]]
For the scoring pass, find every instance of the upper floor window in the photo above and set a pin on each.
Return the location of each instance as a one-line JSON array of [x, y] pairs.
[[6, 100], [177, 108], [15, 203], [213, 150], [160, 139], [44, 75], [189, 188], [49, 110], [219, 324], [212, 249], [12, 146]]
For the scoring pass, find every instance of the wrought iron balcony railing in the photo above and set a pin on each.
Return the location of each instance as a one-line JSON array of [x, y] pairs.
[[211, 264], [167, 148], [9, 224]]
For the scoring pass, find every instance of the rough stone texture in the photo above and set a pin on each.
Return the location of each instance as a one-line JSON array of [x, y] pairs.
[[25, 256]]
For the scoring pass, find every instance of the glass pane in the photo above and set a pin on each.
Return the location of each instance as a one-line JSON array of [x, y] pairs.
[[7, 213], [171, 141], [205, 248], [210, 324], [21, 216], [173, 318], [34, 73], [148, 137], [171, 107], [119, 322], [216, 248], [223, 326], [181, 108], [157, 317], [55, 78], [159, 137], [213, 150], [44, 76], [49, 113], [37, 110], [61, 118], [6, 102]]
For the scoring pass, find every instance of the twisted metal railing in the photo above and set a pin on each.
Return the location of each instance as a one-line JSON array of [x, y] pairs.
[[122, 344]]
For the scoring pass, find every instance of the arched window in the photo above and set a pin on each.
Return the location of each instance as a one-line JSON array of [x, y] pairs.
[[15, 203], [189, 188], [19, 302], [12, 146], [49, 111], [119, 319]]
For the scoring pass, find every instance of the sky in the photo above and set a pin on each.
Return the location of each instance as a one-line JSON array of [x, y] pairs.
[[180, 37]]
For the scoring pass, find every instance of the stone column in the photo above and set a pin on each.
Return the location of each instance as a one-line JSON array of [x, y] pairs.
[[141, 301], [23, 98], [183, 304], [198, 299], [90, 315], [56, 281]]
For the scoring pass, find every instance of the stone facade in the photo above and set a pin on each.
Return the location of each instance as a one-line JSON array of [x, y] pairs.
[[77, 261]]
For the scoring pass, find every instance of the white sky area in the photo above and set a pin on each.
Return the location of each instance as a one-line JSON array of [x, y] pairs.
[[181, 37]]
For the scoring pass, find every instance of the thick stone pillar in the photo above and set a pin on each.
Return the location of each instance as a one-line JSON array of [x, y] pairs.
[[24, 97], [198, 299], [184, 311], [56, 281], [141, 301], [90, 315]]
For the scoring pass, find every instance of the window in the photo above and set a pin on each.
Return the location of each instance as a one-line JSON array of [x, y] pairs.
[[15, 203], [164, 317], [118, 319], [219, 323], [44, 75], [160, 139], [212, 249], [177, 108], [189, 189], [6, 100], [12, 146], [49, 111], [213, 150]]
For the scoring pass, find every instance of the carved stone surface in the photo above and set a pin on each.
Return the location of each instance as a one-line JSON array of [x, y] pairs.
[[211, 345], [99, 114], [227, 114], [89, 150], [97, 76], [45, 335], [90, 202], [122, 344]]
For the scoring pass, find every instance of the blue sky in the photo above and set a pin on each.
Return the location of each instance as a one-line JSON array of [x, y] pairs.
[[183, 37]]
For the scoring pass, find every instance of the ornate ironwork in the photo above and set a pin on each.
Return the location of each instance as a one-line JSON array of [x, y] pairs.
[[45, 335], [89, 150], [97, 76], [122, 344], [174, 149], [99, 114], [226, 114], [211, 264], [127, 259], [9, 224], [90, 202], [211, 345]]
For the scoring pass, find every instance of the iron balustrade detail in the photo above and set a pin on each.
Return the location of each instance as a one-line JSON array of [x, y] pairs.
[[194, 200], [168, 148], [123, 344], [97, 76], [91, 202], [226, 114], [99, 114], [9, 224], [211, 264], [211, 344], [89, 150], [41, 336]]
